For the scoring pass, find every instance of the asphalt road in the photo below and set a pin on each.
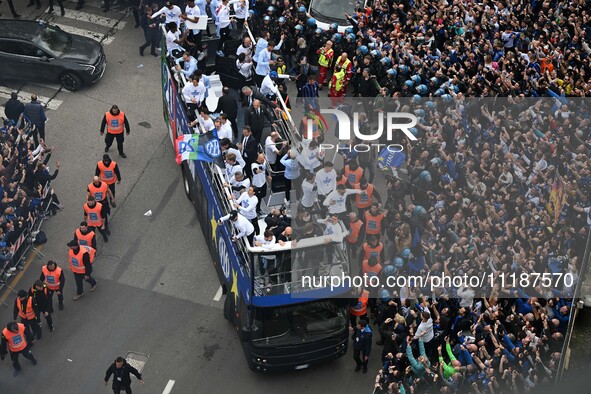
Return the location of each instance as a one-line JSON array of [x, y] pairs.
[[156, 282]]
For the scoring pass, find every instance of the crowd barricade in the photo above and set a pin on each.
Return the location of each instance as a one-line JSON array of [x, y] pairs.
[[25, 241]]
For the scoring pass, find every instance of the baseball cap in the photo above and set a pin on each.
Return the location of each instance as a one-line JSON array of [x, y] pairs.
[[72, 244]]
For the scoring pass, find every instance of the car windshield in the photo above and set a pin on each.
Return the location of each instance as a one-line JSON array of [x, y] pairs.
[[53, 40], [329, 11], [296, 324]]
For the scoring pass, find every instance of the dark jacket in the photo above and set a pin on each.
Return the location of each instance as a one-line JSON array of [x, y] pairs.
[[13, 109], [228, 105], [24, 305], [250, 150], [40, 298], [257, 121], [362, 340], [257, 95], [35, 112], [122, 376]]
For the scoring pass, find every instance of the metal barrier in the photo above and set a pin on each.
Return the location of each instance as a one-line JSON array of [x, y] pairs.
[[25, 241]]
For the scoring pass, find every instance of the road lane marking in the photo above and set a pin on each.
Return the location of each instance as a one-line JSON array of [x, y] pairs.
[[92, 18], [25, 97], [20, 275], [86, 33], [168, 387], [218, 295]]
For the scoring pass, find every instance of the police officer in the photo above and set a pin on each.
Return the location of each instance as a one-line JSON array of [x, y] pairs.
[[53, 277], [362, 337], [80, 259], [84, 236], [108, 171], [26, 308], [40, 294], [115, 121], [16, 341], [93, 215]]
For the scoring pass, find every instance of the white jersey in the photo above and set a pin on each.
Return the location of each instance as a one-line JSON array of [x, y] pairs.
[[248, 205], [340, 202], [173, 15], [326, 181], [259, 174]]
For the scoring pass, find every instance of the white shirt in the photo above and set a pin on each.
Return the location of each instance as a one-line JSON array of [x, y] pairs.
[[267, 245], [309, 195], [246, 50], [242, 225], [232, 169], [245, 69], [226, 131], [268, 87], [270, 150], [334, 231], [223, 15], [259, 179], [193, 13], [326, 181], [170, 41], [191, 92], [173, 15], [310, 159], [239, 158], [425, 331], [240, 10], [243, 184], [248, 205], [208, 124], [340, 204]]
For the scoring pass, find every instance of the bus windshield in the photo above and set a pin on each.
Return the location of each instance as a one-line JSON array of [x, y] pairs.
[[329, 11], [297, 324]]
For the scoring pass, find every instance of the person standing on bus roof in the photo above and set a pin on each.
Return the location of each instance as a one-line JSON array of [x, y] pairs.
[[242, 225], [108, 171], [115, 121], [249, 149], [246, 204]]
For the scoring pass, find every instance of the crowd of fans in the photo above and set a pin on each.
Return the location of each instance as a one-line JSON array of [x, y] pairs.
[[498, 183], [24, 179]]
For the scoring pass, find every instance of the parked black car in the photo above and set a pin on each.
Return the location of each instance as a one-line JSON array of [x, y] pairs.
[[35, 50]]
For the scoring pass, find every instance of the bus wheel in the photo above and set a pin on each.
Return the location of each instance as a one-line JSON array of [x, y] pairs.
[[229, 309], [186, 183]]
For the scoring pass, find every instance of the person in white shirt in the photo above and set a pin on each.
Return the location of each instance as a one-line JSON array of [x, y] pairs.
[[326, 180], [171, 12], [268, 87], [334, 230], [222, 14], [267, 263], [244, 66], [194, 94], [208, 124], [259, 178], [246, 205], [225, 128], [192, 14], [240, 12], [245, 48], [238, 183], [311, 157], [174, 40], [242, 225], [336, 201], [309, 191], [272, 146], [227, 148], [232, 166]]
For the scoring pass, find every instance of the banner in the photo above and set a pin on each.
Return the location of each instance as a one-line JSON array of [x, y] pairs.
[[203, 147]]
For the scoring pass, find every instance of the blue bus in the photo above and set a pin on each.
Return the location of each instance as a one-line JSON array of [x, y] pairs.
[[282, 322]]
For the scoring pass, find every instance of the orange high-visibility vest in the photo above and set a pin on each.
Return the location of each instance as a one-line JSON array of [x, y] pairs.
[[115, 123], [98, 192], [16, 341], [373, 224], [375, 251], [84, 239], [354, 230], [27, 312], [93, 215], [366, 268], [365, 200], [52, 278], [361, 308], [354, 177], [76, 259], [107, 173]]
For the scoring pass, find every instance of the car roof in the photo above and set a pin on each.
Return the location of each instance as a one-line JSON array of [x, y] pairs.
[[10, 28]]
